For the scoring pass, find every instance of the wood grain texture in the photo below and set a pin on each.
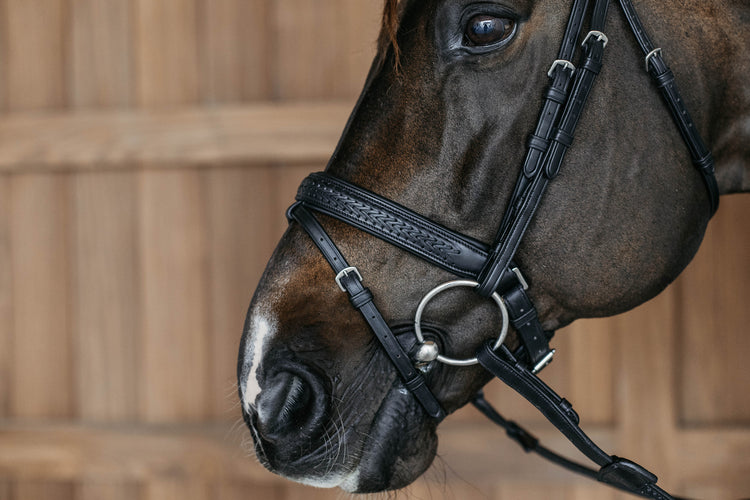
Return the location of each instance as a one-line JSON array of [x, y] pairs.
[[324, 49], [107, 310], [48, 490], [125, 454], [101, 62], [242, 490], [6, 297], [645, 400], [34, 60], [174, 344], [176, 488], [166, 53], [103, 489], [713, 322], [239, 232], [41, 381], [257, 134], [236, 50]]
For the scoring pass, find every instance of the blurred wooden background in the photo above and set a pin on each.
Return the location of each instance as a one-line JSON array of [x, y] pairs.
[[147, 151]]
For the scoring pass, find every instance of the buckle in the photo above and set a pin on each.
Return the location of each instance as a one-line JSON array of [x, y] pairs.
[[560, 62], [346, 272], [650, 55], [599, 37], [547, 359], [520, 277]]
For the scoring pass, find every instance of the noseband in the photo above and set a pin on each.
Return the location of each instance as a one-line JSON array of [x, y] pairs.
[[489, 269]]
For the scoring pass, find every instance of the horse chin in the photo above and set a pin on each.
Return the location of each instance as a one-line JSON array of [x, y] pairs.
[[399, 447]]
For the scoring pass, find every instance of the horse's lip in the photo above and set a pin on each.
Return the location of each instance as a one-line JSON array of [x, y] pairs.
[[398, 419]]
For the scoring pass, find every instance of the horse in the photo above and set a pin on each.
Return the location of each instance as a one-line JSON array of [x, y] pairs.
[[442, 129]]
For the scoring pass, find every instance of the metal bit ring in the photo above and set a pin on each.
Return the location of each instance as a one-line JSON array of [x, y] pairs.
[[452, 284]]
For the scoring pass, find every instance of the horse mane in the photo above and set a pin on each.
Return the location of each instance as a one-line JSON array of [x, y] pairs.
[[389, 29]]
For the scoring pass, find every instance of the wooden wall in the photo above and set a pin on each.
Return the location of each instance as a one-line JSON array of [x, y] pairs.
[[147, 151]]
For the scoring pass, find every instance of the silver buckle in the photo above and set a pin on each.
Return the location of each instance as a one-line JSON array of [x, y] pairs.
[[543, 362], [520, 277], [560, 62], [346, 272], [650, 55], [599, 37]]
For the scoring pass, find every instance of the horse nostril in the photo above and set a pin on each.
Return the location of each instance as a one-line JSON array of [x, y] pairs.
[[292, 405]]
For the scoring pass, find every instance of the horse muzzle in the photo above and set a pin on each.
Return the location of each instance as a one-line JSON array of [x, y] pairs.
[[290, 417]]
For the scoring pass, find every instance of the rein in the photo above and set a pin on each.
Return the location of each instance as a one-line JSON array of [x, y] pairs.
[[490, 268]]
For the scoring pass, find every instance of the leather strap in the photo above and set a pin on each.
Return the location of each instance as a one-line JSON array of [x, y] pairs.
[[554, 99], [394, 223], [491, 266], [361, 298], [515, 223], [665, 81], [447, 249]]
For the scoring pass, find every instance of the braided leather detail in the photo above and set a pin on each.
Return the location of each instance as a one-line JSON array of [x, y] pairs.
[[393, 223]]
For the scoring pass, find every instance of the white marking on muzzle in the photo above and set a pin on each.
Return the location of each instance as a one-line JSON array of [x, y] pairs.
[[262, 328]]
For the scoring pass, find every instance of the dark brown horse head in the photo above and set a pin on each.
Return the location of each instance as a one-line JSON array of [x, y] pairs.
[[441, 129]]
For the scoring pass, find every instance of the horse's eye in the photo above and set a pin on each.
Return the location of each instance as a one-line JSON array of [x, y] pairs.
[[483, 30]]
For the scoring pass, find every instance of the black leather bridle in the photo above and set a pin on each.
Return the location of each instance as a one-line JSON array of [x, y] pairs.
[[490, 268]]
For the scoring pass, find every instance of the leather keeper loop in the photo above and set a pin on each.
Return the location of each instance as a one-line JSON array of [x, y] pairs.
[[563, 138], [556, 95], [361, 298], [705, 164], [414, 383], [592, 65], [538, 143], [664, 79]]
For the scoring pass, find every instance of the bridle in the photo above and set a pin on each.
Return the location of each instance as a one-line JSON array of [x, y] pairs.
[[490, 269]]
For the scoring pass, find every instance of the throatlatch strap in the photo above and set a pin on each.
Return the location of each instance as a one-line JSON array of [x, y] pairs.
[[664, 79], [350, 281]]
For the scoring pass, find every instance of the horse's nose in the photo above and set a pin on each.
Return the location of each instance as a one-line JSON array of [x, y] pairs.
[[292, 406]]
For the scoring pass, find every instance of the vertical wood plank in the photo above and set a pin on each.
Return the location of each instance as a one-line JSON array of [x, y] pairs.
[[47, 490], [241, 242], [35, 64], [177, 488], [324, 49], [174, 382], [92, 489], [106, 311], [589, 346], [6, 306], [41, 381], [646, 403], [101, 73], [714, 319], [3, 57], [231, 490], [166, 42], [235, 50]]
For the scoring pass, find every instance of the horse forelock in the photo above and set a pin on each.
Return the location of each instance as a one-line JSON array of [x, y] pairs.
[[389, 31]]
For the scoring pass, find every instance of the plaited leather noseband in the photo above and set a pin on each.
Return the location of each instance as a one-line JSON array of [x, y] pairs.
[[490, 267]]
